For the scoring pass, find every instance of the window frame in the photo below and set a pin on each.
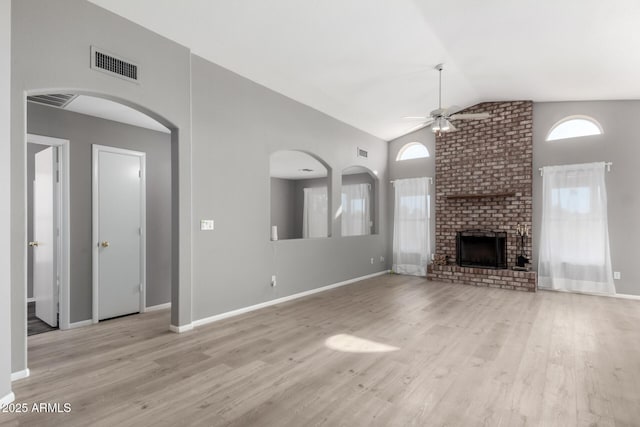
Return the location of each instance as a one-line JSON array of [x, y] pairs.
[[569, 119], [407, 146]]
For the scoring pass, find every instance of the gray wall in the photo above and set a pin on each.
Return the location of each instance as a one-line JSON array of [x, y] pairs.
[[5, 199], [618, 144], [283, 208], [414, 168], [32, 150], [46, 32], [83, 131], [232, 266]]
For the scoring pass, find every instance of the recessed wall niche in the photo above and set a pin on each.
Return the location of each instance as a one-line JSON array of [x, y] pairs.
[[358, 202], [299, 196]]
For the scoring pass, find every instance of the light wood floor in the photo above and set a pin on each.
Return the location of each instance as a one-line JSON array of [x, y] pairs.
[[466, 356]]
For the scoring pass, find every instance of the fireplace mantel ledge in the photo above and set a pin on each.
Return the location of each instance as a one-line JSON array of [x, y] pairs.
[[481, 195]]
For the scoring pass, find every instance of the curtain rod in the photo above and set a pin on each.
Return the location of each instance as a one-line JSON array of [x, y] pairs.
[[428, 179], [607, 164]]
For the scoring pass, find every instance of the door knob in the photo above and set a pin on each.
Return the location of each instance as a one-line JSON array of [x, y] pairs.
[[33, 244], [104, 244]]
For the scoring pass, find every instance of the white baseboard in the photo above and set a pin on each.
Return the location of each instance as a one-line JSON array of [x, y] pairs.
[[181, 329], [625, 296], [15, 376], [619, 296], [157, 307], [243, 310], [7, 399], [31, 300], [80, 324]]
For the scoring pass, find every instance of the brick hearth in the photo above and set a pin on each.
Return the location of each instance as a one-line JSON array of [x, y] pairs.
[[484, 181]]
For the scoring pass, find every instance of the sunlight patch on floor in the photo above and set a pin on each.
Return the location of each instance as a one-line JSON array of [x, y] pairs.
[[352, 344]]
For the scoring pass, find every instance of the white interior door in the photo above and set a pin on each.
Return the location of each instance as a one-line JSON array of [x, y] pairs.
[[45, 236], [118, 231]]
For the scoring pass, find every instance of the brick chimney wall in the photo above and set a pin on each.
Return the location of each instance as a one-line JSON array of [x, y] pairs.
[[485, 157]]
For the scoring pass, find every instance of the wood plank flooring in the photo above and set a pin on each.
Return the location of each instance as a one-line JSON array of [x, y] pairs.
[[36, 326], [465, 356]]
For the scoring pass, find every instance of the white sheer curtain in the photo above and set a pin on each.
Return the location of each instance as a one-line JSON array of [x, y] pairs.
[[574, 241], [411, 227], [356, 216], [315, 211]]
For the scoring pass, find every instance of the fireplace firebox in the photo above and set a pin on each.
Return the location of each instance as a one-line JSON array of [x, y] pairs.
[[481, 249]]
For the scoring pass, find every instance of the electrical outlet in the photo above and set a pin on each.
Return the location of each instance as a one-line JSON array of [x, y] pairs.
[[381, 259], [371, 260], [206, 224], [273, 281], [616, 275]]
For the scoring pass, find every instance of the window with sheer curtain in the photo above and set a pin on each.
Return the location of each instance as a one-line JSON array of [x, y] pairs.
[[314, 213], [574, 241], [356, 215], [411, 227]]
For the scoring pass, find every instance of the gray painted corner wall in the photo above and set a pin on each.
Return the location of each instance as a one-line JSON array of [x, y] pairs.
[[45, 32], [618, 144], [232, 266], [5, 199], [83, 131], [414, 168], [283, 208]]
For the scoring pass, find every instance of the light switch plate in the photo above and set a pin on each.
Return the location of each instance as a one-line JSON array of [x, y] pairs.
[[616, 275], [206, 224]]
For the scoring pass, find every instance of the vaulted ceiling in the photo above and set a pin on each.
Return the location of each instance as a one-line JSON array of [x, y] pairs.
[[369, 63]]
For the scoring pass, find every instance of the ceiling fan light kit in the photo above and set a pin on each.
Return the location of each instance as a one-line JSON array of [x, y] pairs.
[[440, 119], [441, 125]]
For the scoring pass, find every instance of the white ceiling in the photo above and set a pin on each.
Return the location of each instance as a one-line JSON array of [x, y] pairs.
[[105, 109], [370, 62], [289, 164]]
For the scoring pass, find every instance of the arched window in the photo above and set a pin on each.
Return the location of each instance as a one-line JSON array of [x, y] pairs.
[[574, 127], [412, 150]]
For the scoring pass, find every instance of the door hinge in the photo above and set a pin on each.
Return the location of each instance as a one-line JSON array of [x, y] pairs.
[[139, 173], [57, 176]]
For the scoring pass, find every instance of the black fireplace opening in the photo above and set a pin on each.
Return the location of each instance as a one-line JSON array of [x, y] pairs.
[[481, 248]]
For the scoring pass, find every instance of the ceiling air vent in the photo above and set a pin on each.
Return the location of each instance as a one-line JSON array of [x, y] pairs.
[[363, 153], [53, 99], [106, 62]]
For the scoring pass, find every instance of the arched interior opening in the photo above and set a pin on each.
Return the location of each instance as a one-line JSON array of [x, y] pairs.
[[300, 196], [69, 124]]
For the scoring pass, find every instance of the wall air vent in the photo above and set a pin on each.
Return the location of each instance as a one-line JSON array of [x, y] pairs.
[[59, 100], [363, 153], [101, 60]]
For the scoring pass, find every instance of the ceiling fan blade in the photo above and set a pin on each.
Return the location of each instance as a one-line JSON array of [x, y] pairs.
[[452, 110], [415, 118], [438, 112], [470, 116]]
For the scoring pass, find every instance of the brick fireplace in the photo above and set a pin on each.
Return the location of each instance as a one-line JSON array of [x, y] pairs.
[[484, 182]]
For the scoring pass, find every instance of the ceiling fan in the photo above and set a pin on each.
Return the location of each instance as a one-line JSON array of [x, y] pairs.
[[440, 119]]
